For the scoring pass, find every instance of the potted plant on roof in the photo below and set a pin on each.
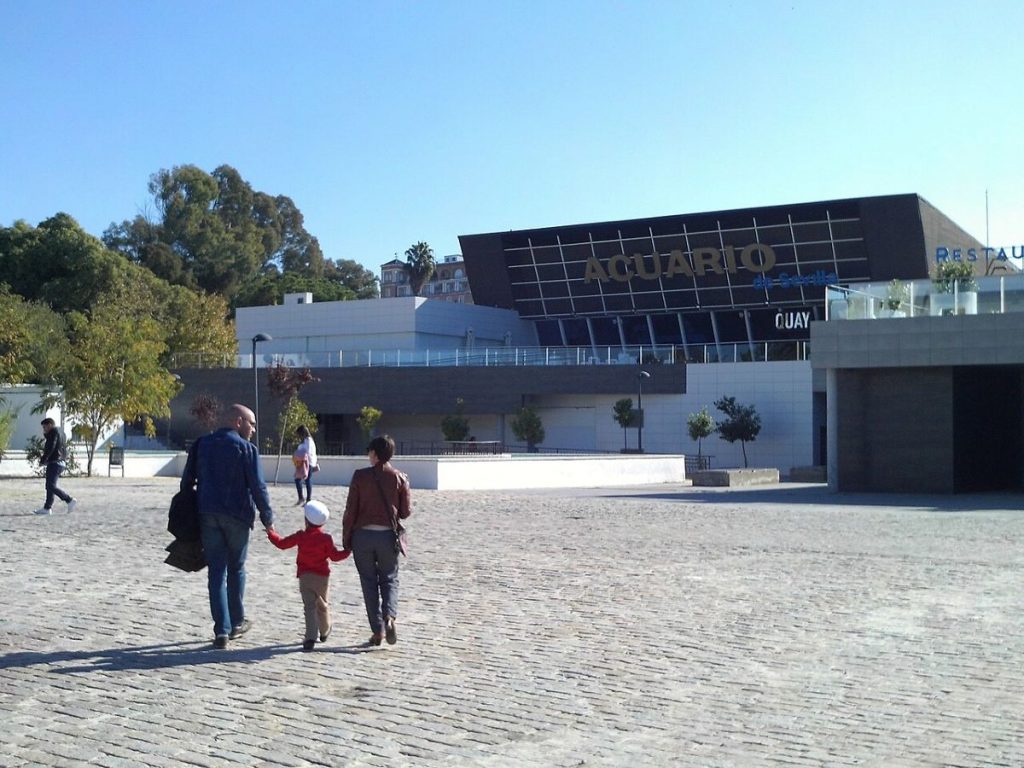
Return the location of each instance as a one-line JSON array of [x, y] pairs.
[[955, 290], [897, 299]]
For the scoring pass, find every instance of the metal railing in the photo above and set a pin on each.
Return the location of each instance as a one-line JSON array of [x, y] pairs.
[[733, 352], [1001, 294]]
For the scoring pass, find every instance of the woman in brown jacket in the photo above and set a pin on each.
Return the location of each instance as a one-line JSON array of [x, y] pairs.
[[375, 495]]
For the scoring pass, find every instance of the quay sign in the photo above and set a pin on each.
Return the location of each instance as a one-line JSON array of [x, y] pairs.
[[756, 257], [793, 321]]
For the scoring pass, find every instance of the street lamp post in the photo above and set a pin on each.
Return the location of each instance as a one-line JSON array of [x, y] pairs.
[[256, 381], [640, 408], [178, 386]]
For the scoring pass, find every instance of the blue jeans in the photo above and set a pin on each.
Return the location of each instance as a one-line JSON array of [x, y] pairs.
[[309, 486], [225, 544], [53, 471], [377, 564]]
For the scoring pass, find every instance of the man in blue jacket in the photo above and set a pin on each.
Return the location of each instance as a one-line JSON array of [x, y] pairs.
[[225, 470]]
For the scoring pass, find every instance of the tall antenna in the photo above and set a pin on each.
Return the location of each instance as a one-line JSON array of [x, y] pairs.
[[987, 243]]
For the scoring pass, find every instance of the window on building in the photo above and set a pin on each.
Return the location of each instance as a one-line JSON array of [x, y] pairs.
[[548, 333], [732, 326], [606, 331], [635, 330], [576, 332], [697, 326], [666, 329]]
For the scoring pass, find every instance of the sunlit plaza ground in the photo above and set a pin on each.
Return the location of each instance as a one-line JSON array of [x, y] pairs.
[[652, 626]]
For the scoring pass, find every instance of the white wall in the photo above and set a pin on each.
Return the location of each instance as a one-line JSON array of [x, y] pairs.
[[504, 472], [441, 473], [780, 391], [380, 324], [22, 398]]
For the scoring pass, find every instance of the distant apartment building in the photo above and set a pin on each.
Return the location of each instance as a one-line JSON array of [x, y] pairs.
[[448, 283]]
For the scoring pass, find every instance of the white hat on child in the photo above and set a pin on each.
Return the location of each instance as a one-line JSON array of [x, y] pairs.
[[316, 512]]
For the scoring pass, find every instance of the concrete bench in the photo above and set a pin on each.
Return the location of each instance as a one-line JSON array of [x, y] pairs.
[[812, 474], [735, 478]]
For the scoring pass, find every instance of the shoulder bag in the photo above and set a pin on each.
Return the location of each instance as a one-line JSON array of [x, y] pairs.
[[401, 544]]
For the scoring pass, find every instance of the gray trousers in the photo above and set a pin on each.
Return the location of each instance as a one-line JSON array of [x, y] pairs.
[[377, 565]]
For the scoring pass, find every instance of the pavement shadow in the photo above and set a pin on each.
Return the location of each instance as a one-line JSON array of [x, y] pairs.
[[142, 657], [819, 496]]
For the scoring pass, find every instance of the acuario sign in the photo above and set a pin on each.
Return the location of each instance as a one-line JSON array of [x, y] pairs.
[[622, 268]]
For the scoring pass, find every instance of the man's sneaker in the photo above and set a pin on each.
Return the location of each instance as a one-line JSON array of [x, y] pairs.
[[41, 511], [241, 629], [307, 645], [220, 641], [391, 632], [71, 505]]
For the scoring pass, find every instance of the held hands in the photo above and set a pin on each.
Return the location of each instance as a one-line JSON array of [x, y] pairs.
[[344, 554]]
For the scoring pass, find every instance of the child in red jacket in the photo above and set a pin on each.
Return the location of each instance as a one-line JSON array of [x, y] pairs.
[[314, 572]]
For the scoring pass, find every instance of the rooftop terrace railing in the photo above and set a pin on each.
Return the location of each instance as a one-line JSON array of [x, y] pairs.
[[508, 356], [1002, 294]]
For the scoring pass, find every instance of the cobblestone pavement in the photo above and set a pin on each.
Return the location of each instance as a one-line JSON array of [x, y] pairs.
[[662, 626]]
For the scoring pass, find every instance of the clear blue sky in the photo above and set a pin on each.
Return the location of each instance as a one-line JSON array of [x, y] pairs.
[[393, 122]]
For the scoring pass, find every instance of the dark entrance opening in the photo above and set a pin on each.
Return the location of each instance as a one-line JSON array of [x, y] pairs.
[[331, 438], [987, 428]]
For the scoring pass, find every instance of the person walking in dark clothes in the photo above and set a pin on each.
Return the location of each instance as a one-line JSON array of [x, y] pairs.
[[54, 459]]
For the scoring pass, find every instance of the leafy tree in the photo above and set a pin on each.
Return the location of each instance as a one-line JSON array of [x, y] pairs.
[[286, 383], [700, 425], [48, 343], [295, 413], [61, 265], [527, 426], [16, 365], [215, 232], [624, 415], [353, 276], [367, 420], [455, 426], [74, 272], [419, 258], [34, 452], [113, 372], [299, 251], [8, 420], [270, 288], [197, 325], [206, 409], [741, 423], [958, 274]]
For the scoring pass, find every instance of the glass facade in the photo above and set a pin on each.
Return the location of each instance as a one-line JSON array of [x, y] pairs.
[[739, 277], [688, 280]]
